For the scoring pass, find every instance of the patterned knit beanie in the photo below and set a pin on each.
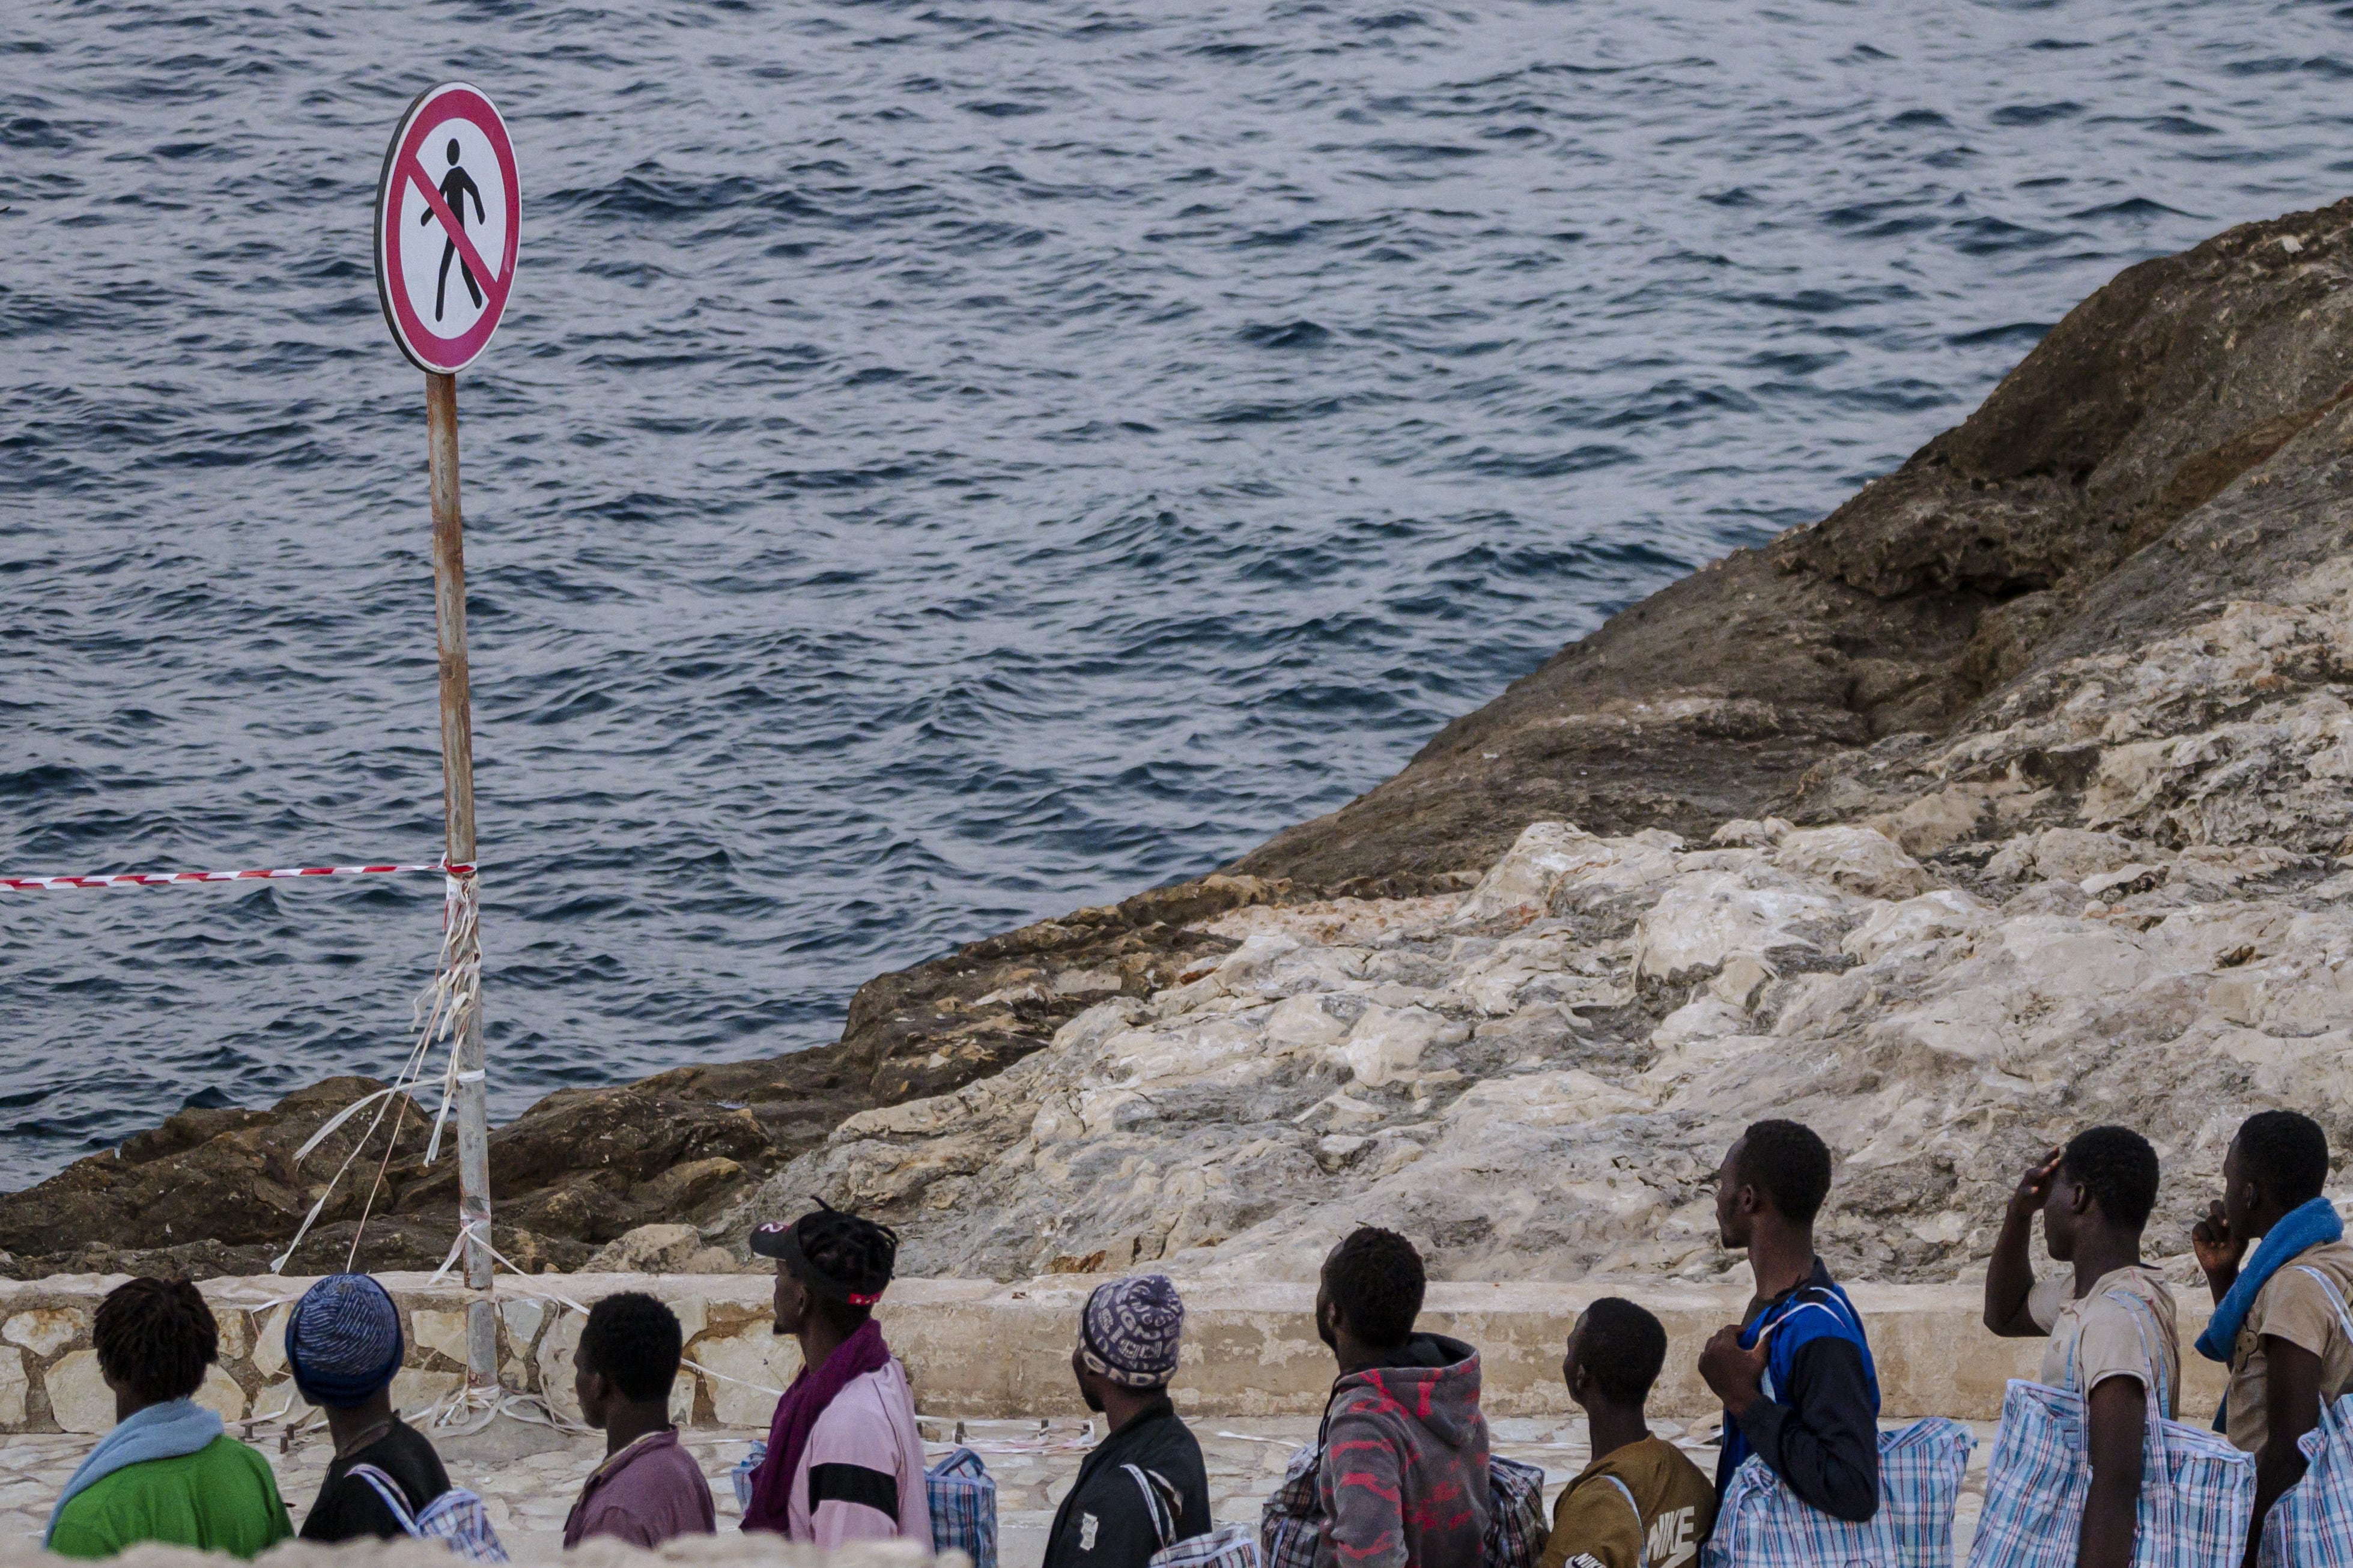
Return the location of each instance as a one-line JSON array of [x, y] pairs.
[[343, 1341], [1129, 1330]]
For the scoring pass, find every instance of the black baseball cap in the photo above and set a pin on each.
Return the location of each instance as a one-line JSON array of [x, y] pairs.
[[861, 1253]]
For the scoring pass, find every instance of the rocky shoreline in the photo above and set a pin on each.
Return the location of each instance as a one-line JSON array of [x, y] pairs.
[[2006, 797]]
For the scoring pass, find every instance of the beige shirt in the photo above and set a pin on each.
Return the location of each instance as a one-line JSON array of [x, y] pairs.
[[2103, 1336], [2293, 1307]]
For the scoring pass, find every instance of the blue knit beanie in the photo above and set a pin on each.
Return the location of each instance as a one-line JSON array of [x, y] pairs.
[[343, 1341]]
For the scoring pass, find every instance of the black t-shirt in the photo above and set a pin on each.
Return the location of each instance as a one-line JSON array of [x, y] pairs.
[[349, 1508]]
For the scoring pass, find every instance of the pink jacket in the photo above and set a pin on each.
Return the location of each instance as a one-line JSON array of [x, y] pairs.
[[861, 1477]]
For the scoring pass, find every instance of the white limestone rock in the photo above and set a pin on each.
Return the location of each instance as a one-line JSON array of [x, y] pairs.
[[556, 1362], [2062, 855], [414, 1390], [750, 1365], [523, 1320], [1702, 918], [1387, 1043], [443, 1330], [221, 1395], [1853, 860], [1947, 912], [1553, 860], [1538, 1079], [269, 1341]]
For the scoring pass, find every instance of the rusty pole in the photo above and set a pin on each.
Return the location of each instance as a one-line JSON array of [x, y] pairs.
[[458, 805]]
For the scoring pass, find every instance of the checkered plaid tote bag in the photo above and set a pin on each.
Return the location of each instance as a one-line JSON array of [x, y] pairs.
[[1515, 1522], [2196, 1496], [458, 1518], [1291, 1521], [1920, 1469], [962, 1496], [1761, 1524], [1229, 1546], [2311, 1526]]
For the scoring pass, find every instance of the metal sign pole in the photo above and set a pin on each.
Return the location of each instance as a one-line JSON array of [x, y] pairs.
[[450, 157], [457, 803]]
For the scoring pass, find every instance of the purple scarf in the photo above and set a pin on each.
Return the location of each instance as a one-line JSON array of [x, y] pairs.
[[796, 1413]]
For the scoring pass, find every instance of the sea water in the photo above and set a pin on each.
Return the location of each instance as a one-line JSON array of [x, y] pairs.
[[947, 461]]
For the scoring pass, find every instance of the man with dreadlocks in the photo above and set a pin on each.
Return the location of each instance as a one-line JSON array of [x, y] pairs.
[[845, 1461], [167, 1472]]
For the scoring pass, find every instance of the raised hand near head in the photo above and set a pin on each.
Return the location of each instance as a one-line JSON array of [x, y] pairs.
[[2034, 1187]]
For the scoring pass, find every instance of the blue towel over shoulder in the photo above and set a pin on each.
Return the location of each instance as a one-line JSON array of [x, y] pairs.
[[172, 1430], [2302, 1228]]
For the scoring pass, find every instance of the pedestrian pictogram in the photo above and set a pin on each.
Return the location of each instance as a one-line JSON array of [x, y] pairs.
[[455, 186], [448, 202]]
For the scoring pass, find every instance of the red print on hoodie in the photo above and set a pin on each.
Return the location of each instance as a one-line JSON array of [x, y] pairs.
[[1404, 1478]]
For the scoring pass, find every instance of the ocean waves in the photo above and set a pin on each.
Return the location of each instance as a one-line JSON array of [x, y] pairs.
[[946, 463]]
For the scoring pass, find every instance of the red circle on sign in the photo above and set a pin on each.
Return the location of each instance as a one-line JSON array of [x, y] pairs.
[[403, 168]]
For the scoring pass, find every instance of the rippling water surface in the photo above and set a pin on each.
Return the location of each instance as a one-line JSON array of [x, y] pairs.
[[948, 461]]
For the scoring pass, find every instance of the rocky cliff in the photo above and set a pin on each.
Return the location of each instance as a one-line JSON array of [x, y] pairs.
[[2003, 799]]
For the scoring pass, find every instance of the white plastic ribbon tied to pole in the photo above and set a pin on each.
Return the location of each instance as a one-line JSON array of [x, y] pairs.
[[164, 878], [438, 1017]]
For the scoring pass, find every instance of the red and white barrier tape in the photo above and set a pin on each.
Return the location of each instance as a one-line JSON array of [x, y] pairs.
[[156, 878]]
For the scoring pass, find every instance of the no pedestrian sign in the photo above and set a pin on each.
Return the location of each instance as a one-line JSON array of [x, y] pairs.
[[448, 211]]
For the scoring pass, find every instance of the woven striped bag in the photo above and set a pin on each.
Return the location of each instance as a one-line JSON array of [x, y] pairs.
[[2196, 1492], [962, 1496], [1290, 1522], [1223, 1546], [1516, 1516], [458, 1518], [2311, 1525], [1761, 1524]]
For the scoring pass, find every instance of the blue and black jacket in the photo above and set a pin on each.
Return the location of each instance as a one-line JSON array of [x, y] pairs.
[[1817, 1426]]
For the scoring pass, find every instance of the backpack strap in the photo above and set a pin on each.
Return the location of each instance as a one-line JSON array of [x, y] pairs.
[[1625, 1492], [389, 1490], [1164, 1524]]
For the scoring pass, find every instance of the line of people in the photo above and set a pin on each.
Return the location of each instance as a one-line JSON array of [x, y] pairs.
[[1402, 1476], [168, 1471]]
